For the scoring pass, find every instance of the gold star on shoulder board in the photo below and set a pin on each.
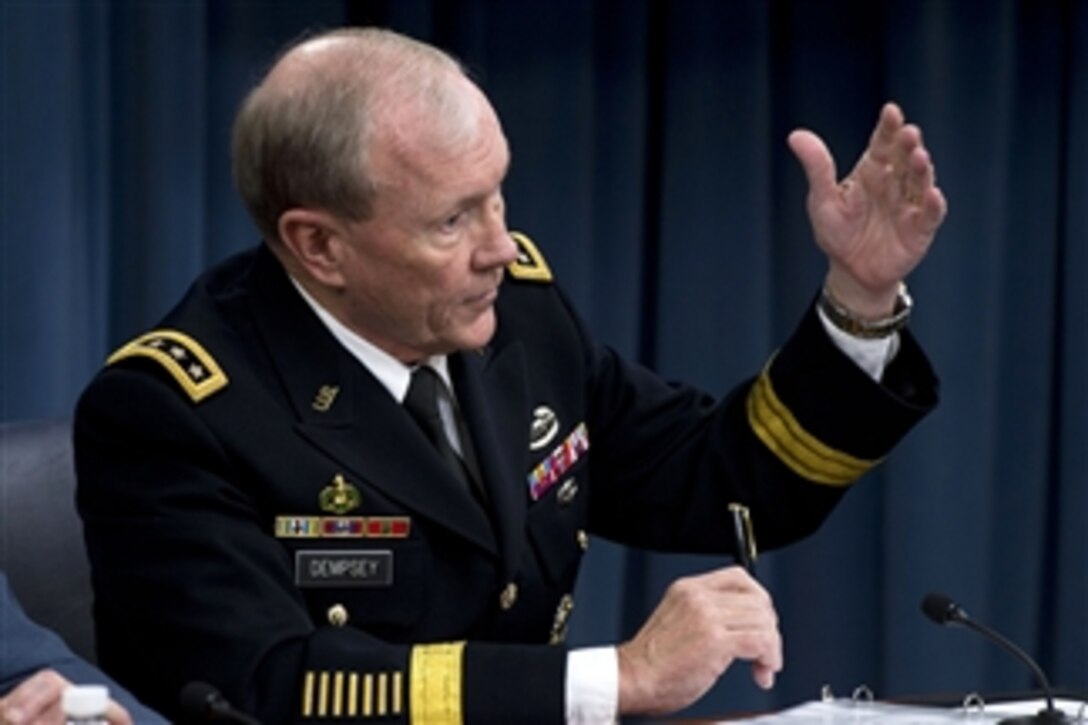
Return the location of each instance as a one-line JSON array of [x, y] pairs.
[[185, 359]]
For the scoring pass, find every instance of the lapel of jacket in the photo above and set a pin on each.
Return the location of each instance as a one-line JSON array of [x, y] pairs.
[[491, 391], [343, 410]]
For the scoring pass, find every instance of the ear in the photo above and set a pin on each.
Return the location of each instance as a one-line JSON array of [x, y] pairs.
[[314, 239]]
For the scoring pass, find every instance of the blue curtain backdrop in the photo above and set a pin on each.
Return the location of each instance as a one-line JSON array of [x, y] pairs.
[[649, 162]]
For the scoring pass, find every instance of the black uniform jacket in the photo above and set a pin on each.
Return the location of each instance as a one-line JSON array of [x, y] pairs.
[[262, 515]]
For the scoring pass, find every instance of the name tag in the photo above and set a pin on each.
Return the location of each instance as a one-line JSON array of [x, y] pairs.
[[339, 568]]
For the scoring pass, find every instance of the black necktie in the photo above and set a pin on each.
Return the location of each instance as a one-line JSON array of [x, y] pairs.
[[422, 403]]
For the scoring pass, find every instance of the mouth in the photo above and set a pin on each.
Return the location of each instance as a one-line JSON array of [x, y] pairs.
[[484, 299]]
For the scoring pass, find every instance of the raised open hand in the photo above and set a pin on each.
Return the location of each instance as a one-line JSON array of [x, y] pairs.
[[877, 223]]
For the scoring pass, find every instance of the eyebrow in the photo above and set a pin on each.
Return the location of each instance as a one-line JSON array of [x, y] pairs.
[[482, 196]]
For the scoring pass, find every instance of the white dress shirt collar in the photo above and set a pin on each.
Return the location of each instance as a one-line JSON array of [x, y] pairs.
[[394, 375]]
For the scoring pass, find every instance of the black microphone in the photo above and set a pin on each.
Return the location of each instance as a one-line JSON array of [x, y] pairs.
[[943, 610], [206, 702]]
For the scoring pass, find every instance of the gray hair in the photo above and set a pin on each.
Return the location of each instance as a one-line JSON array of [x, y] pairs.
[[301, 137]]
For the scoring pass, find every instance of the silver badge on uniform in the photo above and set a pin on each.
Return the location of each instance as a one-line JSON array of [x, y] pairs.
[[543, 428]]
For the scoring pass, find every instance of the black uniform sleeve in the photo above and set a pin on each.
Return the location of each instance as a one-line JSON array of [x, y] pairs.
[[669, 458]]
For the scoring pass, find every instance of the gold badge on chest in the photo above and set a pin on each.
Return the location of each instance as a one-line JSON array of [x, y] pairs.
[[339, 497]]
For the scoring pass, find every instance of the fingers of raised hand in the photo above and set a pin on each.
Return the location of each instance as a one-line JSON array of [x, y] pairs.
[[922, 190], [902, 175], [914, 169], [882, 142], [815, 159]]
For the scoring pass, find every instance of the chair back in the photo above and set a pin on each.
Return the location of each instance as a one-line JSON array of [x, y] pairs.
[[41, 536]]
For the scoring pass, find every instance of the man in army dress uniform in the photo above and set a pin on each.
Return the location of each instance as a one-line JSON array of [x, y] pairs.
[[352, 474]]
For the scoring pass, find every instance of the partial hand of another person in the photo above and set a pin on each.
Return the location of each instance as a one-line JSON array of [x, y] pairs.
[[37, 700], [702, 624], [877, 224]]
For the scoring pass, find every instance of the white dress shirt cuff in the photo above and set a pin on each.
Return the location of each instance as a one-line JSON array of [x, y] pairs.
[[593, 684], [871, 355]]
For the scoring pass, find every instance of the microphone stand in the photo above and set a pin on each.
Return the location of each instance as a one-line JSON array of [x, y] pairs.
[[943, 610], [1048, 715]]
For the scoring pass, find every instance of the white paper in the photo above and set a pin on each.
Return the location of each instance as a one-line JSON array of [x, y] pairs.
[[834, 712]]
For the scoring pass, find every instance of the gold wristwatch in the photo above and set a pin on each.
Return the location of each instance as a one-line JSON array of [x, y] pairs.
[[851, 324]]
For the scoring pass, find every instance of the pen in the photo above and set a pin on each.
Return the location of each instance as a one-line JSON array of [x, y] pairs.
[[743, 540]]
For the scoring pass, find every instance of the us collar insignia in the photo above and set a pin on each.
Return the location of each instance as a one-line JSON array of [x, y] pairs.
[[324, 398], [543, 428], [339, 497]]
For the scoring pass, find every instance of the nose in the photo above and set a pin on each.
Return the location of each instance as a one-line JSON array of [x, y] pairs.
[[496, 248]]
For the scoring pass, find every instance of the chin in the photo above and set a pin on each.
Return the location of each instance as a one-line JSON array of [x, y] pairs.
[[478, 334]]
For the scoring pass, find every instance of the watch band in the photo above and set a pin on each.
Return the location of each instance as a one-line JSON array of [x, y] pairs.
[[851, 324]]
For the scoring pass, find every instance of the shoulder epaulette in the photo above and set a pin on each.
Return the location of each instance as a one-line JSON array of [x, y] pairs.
[[183, 357], [530, 264]]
